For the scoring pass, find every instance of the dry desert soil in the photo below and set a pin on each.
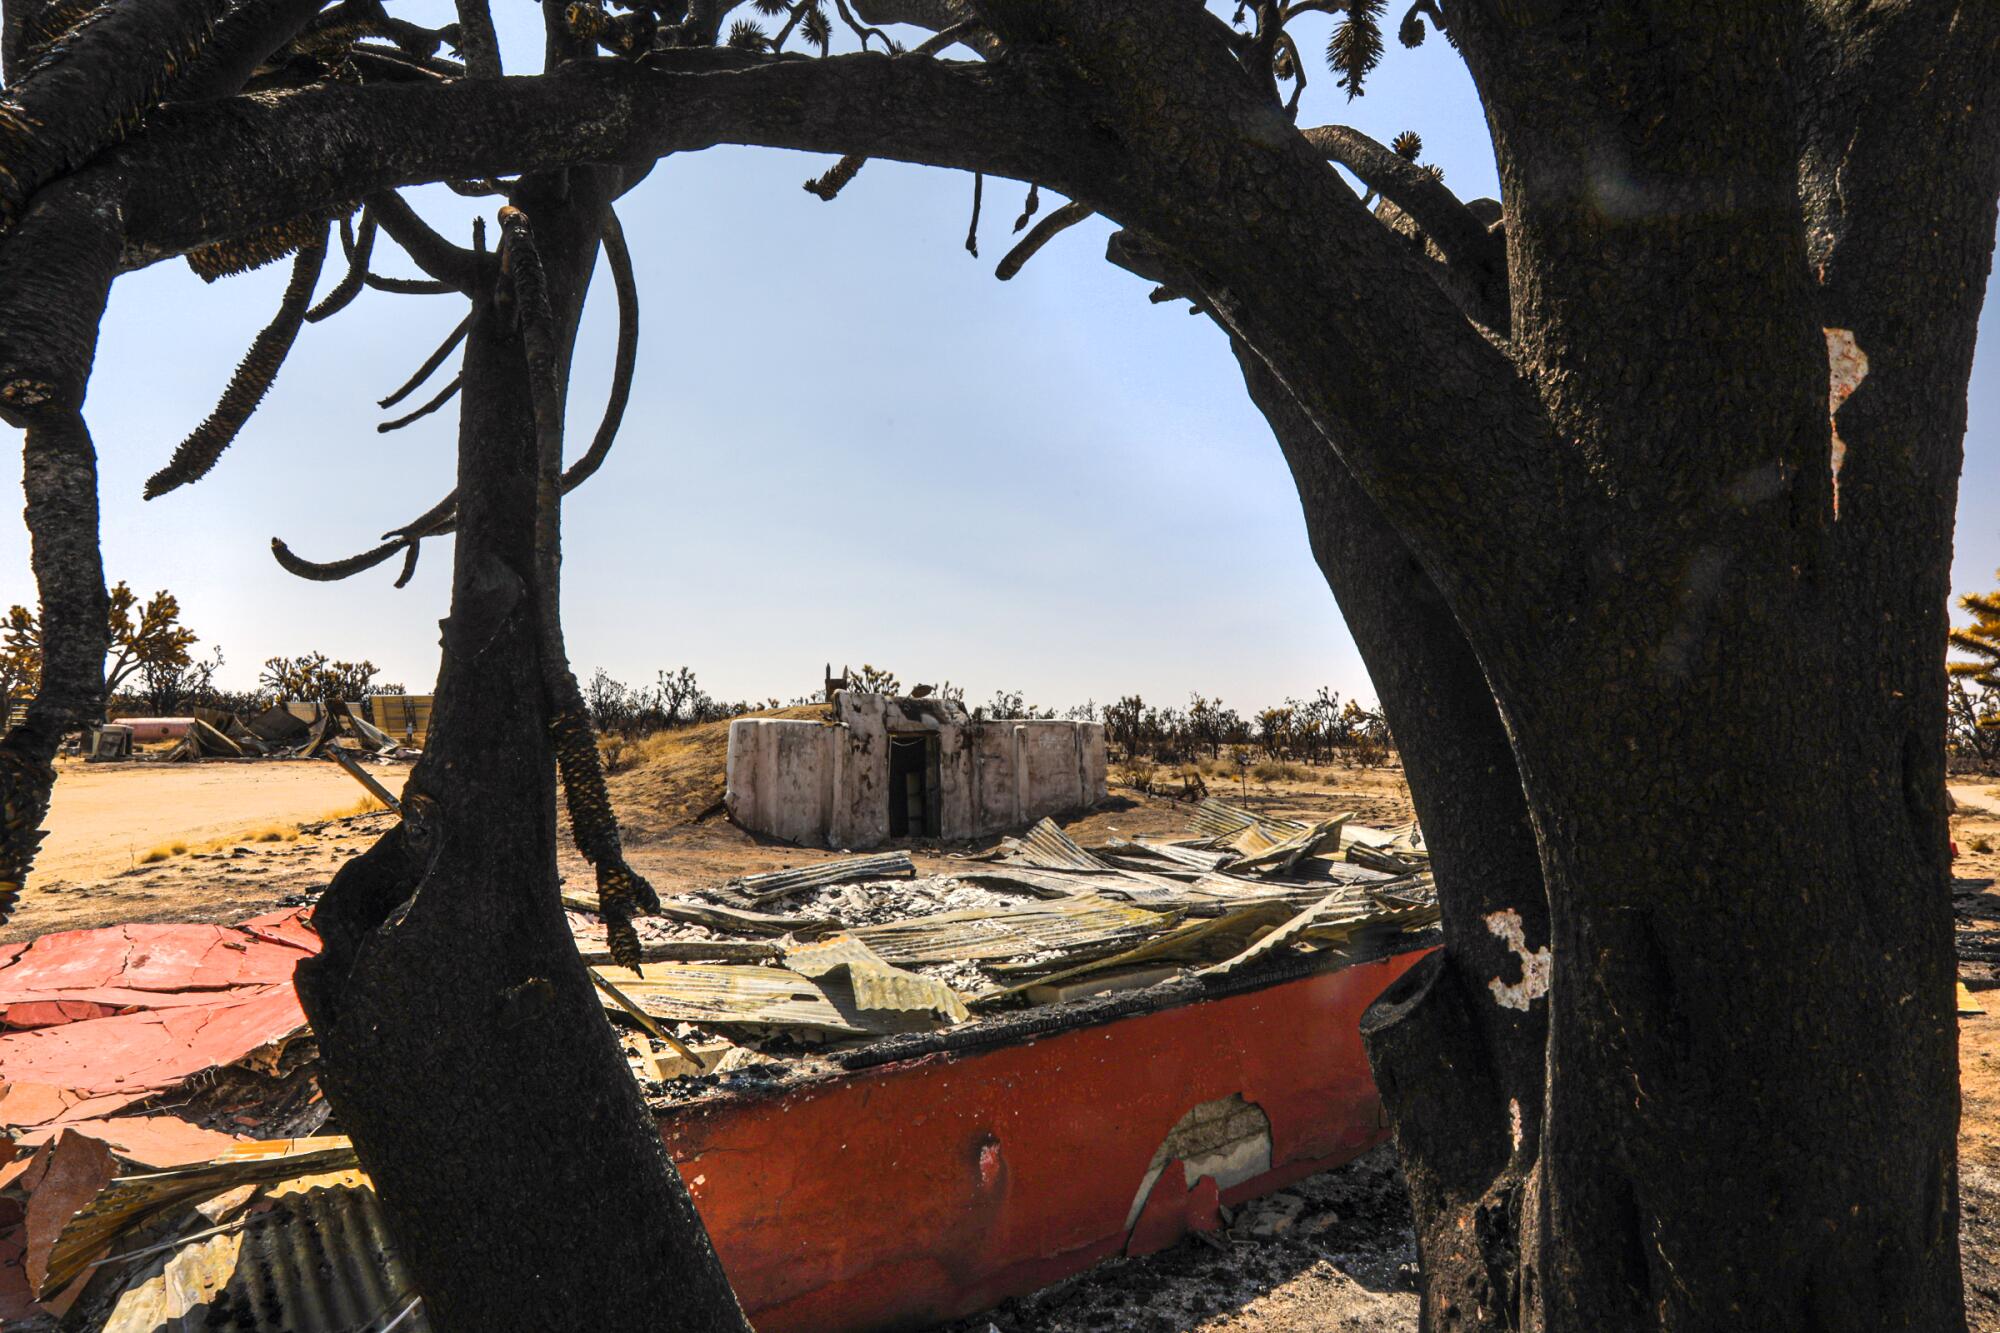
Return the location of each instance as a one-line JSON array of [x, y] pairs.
[[1333, 1252]]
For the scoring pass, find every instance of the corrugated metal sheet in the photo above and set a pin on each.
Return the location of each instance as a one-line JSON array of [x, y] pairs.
[[1193, 858], [725, 995], [876, 984], [727, 920], [1227, 891], [132, 1201], [404, 716], [1137, 887], [1049, 847], [1215, 821], [1055, 926], [318, 1260], [1404, 841], [1280, 857], [778, 883], [1259, 921], [1194, 941], [1341, 918]]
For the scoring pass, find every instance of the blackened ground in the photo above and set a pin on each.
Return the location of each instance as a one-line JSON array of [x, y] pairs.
[[1979, 1239], [1334, 1251]]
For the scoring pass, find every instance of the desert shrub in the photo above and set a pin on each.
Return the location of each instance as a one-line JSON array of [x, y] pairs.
[[1137, 772], [1276, 771], [616, 753], [1368, 752]]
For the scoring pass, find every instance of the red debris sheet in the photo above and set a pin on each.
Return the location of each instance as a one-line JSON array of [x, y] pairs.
[[93, 1023], [93, 1020]]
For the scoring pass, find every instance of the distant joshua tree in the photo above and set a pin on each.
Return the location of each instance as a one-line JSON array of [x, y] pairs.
[[141, 637]]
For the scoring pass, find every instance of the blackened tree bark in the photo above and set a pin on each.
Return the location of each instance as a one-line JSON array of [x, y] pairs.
[[1719, 689], [1460, 1074], [447, 948]]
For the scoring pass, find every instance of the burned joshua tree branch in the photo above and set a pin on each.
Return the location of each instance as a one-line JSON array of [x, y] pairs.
[[440, 519], [430, 365], [1061, 220], [90, 88], [252, 380], [443, 396], [358, 249]]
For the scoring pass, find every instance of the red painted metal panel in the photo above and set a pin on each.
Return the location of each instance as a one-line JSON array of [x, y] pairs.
[[905, 1195]]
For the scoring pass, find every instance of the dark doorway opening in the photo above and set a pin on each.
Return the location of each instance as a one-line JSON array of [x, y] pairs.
[[913, 764]]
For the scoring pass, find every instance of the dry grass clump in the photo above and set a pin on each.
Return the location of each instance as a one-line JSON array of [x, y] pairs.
[[262, 833], [616, 753], [1273, 771], [367, 805]]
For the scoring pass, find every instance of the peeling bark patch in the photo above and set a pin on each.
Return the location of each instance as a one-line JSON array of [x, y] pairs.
[[1847, 366], [1514, 1120], [1534, 982]]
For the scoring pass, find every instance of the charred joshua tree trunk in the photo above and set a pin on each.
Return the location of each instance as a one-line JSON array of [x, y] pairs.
[[1460, 1072], [1708, 674], [57, 278], [447, 948], [1460, 1075]]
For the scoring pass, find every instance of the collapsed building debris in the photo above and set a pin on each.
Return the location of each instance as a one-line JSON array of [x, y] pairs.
[[892, 1035], [289, 730]]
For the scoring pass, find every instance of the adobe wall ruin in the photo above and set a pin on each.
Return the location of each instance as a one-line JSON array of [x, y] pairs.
[[827, 784]]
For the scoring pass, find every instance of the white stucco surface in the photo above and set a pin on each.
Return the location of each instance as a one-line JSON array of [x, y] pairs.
[[826, 784]]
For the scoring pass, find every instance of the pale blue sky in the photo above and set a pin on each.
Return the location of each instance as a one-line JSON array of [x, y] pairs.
[[847, 441]]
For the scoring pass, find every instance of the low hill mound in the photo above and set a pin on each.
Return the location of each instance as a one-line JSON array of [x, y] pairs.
[[666, 779]]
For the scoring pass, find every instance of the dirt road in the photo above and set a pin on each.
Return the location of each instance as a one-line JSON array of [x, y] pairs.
[[106, 819]]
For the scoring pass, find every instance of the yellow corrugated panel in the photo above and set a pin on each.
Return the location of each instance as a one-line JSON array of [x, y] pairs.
[[403, 716]]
